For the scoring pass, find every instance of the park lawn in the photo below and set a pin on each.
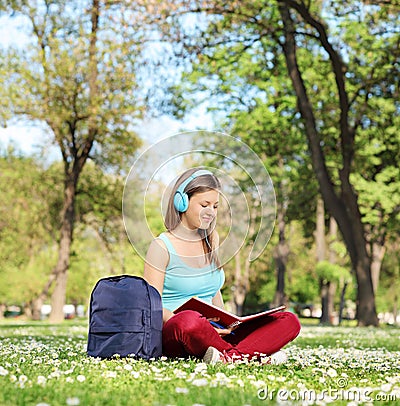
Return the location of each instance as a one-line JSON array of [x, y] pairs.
[[42, 364]]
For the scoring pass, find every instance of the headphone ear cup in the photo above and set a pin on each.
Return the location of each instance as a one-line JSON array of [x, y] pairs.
[[181, 201]]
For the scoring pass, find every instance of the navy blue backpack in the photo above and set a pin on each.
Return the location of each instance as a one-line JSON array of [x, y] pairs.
[[125, 318]]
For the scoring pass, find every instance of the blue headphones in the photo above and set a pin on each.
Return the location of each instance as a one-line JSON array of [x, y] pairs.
[[181, 199]]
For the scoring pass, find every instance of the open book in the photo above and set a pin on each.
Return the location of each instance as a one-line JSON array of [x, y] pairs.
[[227, 319]]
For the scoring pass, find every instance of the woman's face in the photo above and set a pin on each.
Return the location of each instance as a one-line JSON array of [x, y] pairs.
[[202, 210]]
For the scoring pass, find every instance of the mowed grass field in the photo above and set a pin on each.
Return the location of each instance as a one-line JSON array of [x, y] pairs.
[[42, 364]]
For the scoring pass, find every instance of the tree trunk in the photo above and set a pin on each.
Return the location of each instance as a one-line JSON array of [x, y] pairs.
[[331, 301], [36, 306], [3, 308], [320, 231], [28, 313], [344, 207], [341, 306], [332, 240], [325, 286], [61, 268], [378, 252], [39, 301], [281, 254], [75, 155], [241, 284], [332, 260], [366, 311], [281, 251]]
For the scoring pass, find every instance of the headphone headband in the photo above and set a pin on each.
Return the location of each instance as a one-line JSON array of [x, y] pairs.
[[181, 199], [194, 175]]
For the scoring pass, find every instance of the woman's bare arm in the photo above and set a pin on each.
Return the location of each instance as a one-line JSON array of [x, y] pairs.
[[217, 300], [154, 269]]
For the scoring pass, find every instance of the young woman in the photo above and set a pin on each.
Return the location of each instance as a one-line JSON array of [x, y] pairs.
[[183, 262]]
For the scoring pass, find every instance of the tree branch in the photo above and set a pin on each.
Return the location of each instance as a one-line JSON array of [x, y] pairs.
[[339, 69]]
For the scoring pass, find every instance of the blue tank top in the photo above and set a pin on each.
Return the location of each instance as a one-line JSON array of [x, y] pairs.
[[183, 282]]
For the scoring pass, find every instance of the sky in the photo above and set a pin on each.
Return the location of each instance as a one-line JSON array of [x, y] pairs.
[[30, 139]]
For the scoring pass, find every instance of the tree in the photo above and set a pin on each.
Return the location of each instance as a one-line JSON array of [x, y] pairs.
[[389, 287], [32, 197], [329, 272], [257, 127], [78, 76], [28, 226], [335, 79], [342, 200], [331, 275]]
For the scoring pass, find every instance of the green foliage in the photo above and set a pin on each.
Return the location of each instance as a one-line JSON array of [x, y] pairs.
[[389, 287], [91, 260], [77, 74], [26, 228], [329, 272], [238, 70], [59, 80], [301, 284], [32, 198], [100, 247]]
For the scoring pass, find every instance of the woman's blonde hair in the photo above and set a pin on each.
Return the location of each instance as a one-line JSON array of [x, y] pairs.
[[200, 184]]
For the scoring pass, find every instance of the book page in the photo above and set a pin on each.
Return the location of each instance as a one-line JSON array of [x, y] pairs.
[[226, 318]]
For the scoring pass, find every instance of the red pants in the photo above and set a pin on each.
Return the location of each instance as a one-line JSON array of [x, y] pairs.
[[188, 333]]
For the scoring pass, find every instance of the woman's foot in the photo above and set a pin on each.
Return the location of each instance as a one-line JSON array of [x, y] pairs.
[[213, 356], [278, 358]]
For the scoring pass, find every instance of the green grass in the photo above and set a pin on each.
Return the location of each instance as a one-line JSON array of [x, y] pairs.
[[45, 364]]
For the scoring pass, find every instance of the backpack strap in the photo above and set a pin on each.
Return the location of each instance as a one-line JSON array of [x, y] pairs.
[[147, 324]]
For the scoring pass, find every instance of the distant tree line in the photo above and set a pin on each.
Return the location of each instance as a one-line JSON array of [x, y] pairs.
[[311, 87]]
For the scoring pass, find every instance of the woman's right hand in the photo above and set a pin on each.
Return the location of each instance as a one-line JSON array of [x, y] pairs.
[[223, 331]]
